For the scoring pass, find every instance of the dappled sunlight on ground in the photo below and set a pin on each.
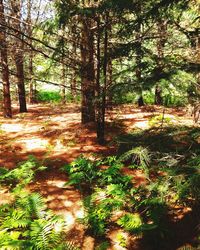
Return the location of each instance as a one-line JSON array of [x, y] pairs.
[[30, 145], [56, 131], [55, 136]]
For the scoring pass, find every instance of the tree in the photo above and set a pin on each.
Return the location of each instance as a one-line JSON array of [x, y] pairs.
[[18, 53], [87, 70], [4, 65], [162, 38], [32, 97]]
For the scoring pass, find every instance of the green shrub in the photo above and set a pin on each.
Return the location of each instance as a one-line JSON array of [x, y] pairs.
[[49, 96], [149, 97], [175, 101]]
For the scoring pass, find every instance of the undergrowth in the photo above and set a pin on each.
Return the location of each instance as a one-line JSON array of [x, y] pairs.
[[25, 221], [112, 198]]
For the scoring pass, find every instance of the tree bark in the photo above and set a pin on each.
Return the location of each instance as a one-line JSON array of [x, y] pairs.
[[87, 72], [162, 28], [63, 94], [32, 97], [18, 54], [7, 110], [73, 84], [139, 54]]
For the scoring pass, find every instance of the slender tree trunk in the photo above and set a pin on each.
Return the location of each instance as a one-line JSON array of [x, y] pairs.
[[158, 95], [74, 51], [110, 94], [18, 54], [32, 98], [87, 72], [63, 94], [139, 70], [99, 110], [7, 111], [162, 28], [101, 107], [139, 55], [31, 85], [73, 85]]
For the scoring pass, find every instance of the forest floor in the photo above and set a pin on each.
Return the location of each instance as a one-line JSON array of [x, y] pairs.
[[54, 135]]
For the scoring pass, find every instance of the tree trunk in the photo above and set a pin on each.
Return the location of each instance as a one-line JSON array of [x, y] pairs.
[[158, 95], [18, 54], [139, 54], [140, 101], [162, 28], [87, 72], [32, 97], [73, 84], [7, 111], [100, 106], [63, 94]]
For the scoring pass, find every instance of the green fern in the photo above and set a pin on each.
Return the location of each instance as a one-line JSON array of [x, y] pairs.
[[81, 171], [131, 222], [138, 155], [43, 234], [22, 174], [34, 203]]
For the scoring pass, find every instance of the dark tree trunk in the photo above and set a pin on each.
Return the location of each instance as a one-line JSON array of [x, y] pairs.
[[162, 29], [139, 55], [140, 101], [101, 97], [109, 84], [32, 97], [18, 54], [63, 94], [87, 72], [158, 95], [7, 111], [73, 84], [20, 83]]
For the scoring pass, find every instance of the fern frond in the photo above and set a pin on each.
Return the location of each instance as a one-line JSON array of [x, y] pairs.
[[138, 155], [34, 204], [130, 222], [43, 234]]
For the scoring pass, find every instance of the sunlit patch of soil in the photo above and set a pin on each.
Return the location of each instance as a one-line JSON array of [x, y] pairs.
[[5, 196]]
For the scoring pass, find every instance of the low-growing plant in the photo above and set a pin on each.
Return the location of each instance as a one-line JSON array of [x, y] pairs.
[[142, 210], [159, 120], [49, 96], [138, 157], [130, 222], [81, 172], [25, 221], [23, 174]]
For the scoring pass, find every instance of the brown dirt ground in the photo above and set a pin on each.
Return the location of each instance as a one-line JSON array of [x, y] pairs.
[[54, 134]]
